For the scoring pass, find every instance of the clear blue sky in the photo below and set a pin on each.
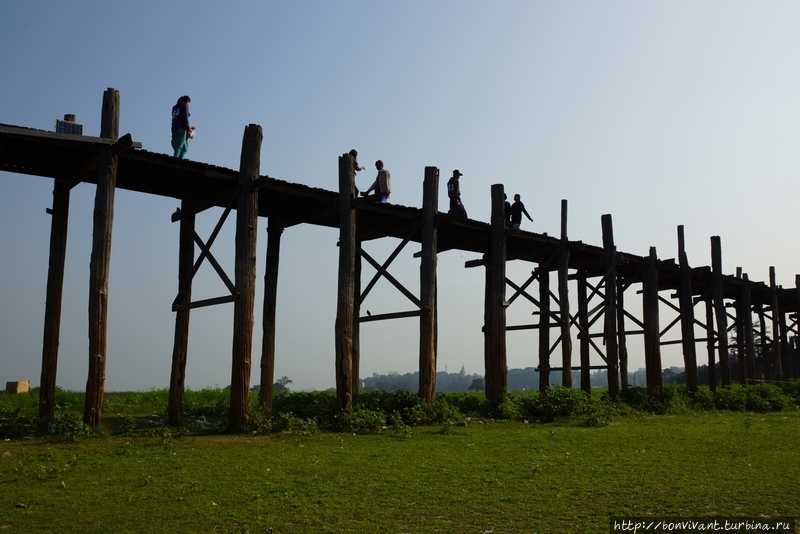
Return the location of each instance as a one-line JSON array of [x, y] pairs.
[[659, 113]]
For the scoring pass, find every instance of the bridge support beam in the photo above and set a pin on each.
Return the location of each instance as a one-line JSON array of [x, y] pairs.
[[245, 275], [346, 296], [610, 315], [495, 309], [427, 283], [100, 261], [180, 347], [55, 290], [274, 231]]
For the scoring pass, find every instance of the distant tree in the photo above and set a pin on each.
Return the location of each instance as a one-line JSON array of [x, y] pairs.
[[478, 384], [282, 385]]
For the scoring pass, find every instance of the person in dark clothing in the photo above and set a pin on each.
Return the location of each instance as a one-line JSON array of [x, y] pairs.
[[506, 211], [517, 209], [454, 193], [181, 130], [354, 153]]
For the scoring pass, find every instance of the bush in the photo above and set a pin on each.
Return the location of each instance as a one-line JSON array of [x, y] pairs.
[[360, 421], [560, 402]]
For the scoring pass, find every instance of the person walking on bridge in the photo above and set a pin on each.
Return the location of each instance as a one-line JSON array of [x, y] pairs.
[[181, 130], [382, 184], [517, 209]]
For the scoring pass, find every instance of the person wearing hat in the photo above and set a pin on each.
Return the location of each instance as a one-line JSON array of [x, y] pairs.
[[454, 192], [517, 209]]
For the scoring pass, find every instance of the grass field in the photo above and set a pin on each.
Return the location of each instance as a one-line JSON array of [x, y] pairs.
[[486, 476]]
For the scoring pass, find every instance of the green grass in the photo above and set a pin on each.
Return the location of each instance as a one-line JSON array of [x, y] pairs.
[[502, 477]]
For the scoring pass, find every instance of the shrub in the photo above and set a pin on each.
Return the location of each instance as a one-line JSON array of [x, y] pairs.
[[360, 420], [560, 402]]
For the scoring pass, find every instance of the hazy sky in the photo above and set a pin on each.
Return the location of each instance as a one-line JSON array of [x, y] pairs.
[[659, 113]]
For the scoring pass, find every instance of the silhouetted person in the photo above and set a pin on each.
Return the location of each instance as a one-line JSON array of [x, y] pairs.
[[454, 193], [517, 209], [181, 130], [382, 184]]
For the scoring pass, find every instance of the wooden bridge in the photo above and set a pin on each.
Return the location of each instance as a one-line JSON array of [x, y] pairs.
[[600, 275]]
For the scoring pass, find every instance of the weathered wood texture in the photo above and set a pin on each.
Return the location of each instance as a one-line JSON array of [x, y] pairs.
[[180, 346], [584, 340], [622, 336], [100, 261], [710, 344], [497, 372], [747, 316], [345, 300], [686, 305], [427, 283], [719, 311], [274, 231], [610, 324], [777, 360], [563, 301], [652, 347], [544, 328], [55, 287], [245, 275]]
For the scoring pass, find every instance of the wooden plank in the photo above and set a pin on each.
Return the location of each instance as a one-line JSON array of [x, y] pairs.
[[394, 315], [245, 276]]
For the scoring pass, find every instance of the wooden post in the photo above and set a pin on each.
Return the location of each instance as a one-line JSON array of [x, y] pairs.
[[767, 373], [55, 287], [427, 284], [245, 271], [710, 345], [345, 302], [583, 320], [686, 306], [610, 326], [652, 344], [497, 372], [100, 261], [355, 368], [622, 343], [747, 316], [544, 328], [741, 365], [563, 297], [265, 391], [719, 310], [777, 359], [180, 347]]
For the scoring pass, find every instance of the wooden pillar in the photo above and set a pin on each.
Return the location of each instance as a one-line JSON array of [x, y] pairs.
[[265, 391], [563, 297], [55, 287], [686, 305], [777, 359], [765, 364], [245, 270], [427, 285], [497, 372], [100, 261], [355, 367], [622, 342], [741, 365], [652, 341], [583, 321], [745, 304], [544, 328], [719, 310], [345, 302], [610, 326], [710, 345], [180, 347]]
